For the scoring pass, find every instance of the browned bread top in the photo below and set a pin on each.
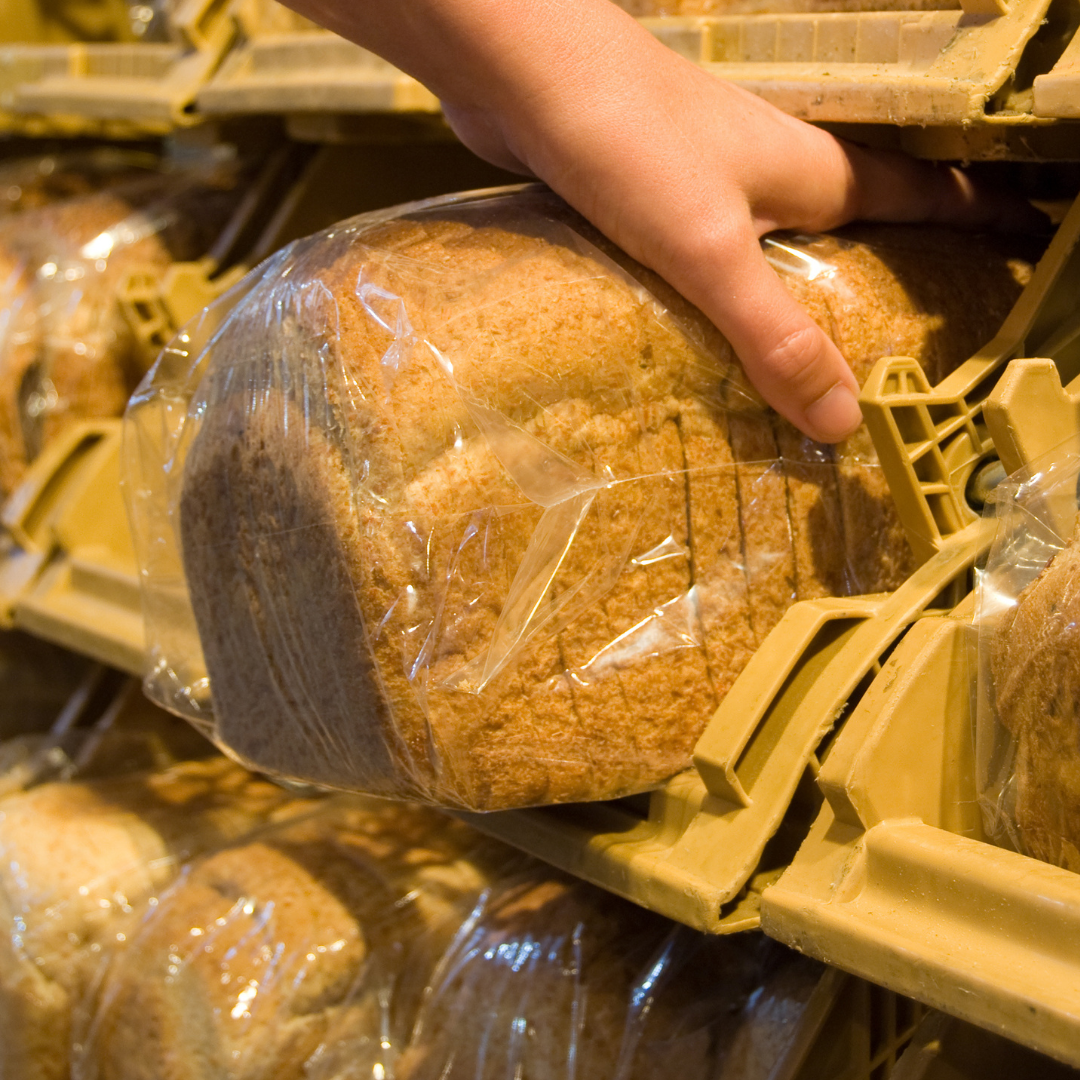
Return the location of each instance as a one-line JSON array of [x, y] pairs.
[[480, 511]]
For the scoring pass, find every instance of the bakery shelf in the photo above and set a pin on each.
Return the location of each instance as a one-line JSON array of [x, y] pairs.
[[896, 880], [288, 65], [940, 84], [115, 88], [70, 574]]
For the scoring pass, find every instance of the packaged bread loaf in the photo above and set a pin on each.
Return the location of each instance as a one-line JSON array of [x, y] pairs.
[[80, 863], [553, 979], [66, 350], [390, 941], [1028, 746], [267, 958], [473, 509]]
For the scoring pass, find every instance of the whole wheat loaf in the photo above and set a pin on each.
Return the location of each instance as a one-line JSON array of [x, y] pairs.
[[303, 952], [480, 511], [78, 863]]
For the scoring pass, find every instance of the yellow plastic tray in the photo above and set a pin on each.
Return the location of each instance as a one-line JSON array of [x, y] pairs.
[[119, 88], [70, 575], [287, 65], [994, 79], [895, 880]]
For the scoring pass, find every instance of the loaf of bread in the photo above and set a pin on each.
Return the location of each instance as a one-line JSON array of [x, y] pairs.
[[478, 511], [555, 979], [32, 182], [388, 940], [314, 941], [79, 864], [66, 351], [1035, 671]]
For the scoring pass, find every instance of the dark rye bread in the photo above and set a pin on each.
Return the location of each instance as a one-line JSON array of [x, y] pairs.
[[1035, 671], [355, 519]]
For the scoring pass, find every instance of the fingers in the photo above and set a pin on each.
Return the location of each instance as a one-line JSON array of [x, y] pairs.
[[787, 356]]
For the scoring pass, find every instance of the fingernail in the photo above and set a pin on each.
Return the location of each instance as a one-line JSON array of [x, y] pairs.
[[835, 415]]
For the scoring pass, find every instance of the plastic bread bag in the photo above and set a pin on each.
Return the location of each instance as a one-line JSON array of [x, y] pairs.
[[390, 941], [66, 350], [1028, 730], [468, 507], [80, 862]]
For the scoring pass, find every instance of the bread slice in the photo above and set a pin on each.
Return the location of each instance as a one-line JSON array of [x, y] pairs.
[[480, 512]]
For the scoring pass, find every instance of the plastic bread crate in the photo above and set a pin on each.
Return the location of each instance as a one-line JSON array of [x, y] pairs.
[[988, 80], [850, 1030], [118, 88], [70, 575], [896, 880], [156, 305], [702, 847], [289, 65]]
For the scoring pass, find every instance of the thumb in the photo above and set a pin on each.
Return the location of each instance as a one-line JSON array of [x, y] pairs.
[[789, 359]]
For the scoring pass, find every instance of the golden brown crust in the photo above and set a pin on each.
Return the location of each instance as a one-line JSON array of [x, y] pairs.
[[402, 466]]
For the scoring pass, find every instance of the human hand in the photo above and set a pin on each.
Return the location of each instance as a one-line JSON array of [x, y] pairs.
[[682, 170]]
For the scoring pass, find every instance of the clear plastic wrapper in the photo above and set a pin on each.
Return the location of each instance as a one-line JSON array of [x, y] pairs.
[[66, 350], [1028, 727], [80, 862], [390, 941], [466, 506]]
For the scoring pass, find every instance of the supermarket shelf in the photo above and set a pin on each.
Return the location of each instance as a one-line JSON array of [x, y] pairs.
[[116, 89], [896, 881]]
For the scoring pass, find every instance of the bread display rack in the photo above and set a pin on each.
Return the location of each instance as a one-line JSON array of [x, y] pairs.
[[286, 64], [116, 86], [990, 79], [896, 878]]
